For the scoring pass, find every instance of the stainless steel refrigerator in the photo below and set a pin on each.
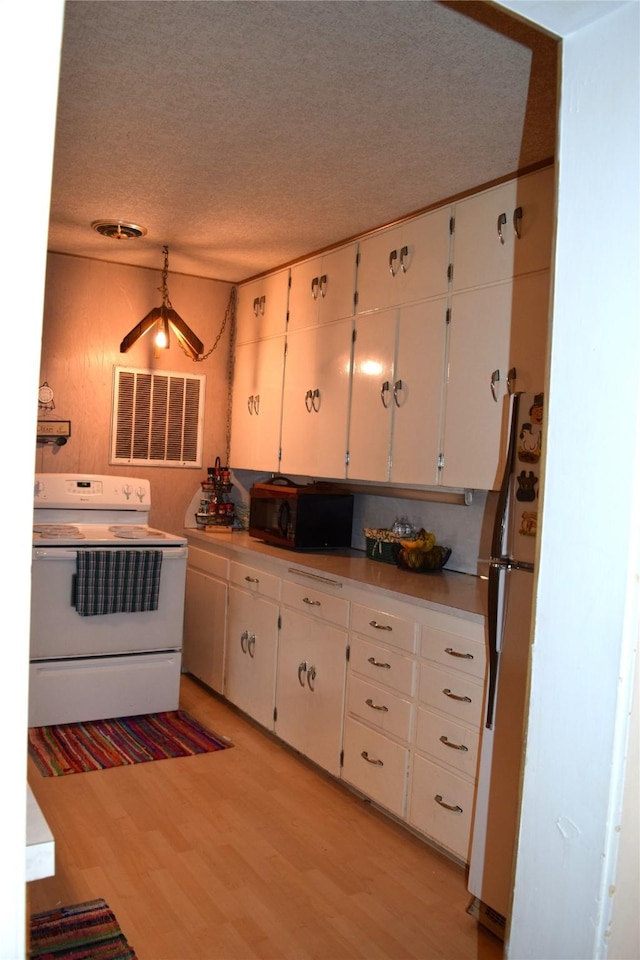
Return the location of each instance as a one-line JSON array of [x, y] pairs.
[[511, 569]]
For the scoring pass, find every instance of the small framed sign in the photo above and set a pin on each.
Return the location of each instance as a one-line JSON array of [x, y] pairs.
[[54, 429]]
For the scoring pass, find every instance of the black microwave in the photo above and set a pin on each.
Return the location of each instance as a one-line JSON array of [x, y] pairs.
[[302, 517]]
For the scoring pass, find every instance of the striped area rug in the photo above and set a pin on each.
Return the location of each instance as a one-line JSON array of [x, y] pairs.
[[88, 931], [99, 744]]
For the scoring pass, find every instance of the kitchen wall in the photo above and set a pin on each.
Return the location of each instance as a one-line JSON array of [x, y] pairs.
[[89, 307], [464, 528]]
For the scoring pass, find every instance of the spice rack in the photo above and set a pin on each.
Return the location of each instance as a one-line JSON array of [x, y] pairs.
[[216, 509]]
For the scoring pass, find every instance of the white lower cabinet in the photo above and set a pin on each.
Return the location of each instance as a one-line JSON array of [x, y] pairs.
[[376, 765], [205, 615], [310, 688], [380, 707], [447, 734], [441, 805], [380, 691], [252, 647]]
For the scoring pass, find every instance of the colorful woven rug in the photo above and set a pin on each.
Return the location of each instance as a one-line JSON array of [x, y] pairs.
[[88, 931], [98, 744]]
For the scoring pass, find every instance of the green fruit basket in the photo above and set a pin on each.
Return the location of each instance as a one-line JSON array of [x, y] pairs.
[[432, 561], [381, 545]]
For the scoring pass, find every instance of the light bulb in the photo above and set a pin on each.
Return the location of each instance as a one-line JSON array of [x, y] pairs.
[[161, 341]]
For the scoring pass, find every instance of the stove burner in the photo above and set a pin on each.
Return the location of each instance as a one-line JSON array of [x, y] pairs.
[[134, 532], [58, 531]]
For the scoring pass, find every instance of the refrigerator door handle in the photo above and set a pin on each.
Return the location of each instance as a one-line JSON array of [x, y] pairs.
[[492, 635]]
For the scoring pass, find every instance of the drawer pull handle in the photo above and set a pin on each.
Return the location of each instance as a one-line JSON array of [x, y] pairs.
[[377, 663], [251, 645], [454, 653], [447, 806], [380, 626], [244, 637], [312, 603], [376, 763], [252, 580], [376, 706], [311, 678], [454, 696], [302, 669], [454, 746]]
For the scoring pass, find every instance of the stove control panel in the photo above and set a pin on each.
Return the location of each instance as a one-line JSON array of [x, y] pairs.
[[89, 491]]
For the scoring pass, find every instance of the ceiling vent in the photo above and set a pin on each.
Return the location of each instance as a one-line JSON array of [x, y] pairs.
[[118, 229]]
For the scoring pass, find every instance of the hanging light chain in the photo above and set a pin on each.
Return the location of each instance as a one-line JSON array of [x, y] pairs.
[[229, 316]]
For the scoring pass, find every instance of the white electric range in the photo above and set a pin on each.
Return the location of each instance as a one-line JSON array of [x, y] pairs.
[[107, 601]]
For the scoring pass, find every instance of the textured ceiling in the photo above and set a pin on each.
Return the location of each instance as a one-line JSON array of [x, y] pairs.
[[246, 134]]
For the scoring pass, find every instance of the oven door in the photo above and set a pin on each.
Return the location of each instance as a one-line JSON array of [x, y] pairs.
[[58, 631]]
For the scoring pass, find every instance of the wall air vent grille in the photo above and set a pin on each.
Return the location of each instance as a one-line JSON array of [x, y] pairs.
[[157, 418]]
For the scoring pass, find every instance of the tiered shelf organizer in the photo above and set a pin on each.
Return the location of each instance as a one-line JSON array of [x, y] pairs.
[[216, 510]]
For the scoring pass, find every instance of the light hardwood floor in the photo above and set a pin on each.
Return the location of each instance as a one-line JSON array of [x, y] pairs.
[[250, 853]]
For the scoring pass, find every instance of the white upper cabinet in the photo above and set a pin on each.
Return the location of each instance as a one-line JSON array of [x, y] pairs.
[[417, 393], [396, 400], [257, 404], [504, 232], [371, 397], [323, 289], [262, 307], [405, 263], [497, 345], [315, 409]]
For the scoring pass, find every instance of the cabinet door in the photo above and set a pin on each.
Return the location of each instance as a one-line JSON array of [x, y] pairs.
[[251, 651], [371, 397], [315, 413], [486, 250], [262, 307], [311, 688], [406, 263], [257, 404], [493, 330], [417, 393], [205, 613], [323, 289]]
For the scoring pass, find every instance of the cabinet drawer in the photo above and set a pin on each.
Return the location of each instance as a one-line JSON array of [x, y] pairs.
[[376, 766], [382, 665], [432, 787], [448, 741], [316, 603], [254, 580], [454, 651], [459, 696], [208, 563], [379, 707], [379, 625]]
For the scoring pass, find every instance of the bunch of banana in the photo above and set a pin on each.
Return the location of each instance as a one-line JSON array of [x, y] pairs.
[[413, 553]]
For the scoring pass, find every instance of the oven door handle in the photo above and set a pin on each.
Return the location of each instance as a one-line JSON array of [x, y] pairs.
[[63, 553]]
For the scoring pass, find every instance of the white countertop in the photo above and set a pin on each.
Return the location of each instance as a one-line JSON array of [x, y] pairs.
[[445, 589]]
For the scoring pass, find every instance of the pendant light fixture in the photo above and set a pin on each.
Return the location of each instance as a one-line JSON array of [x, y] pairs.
[[165, 317]]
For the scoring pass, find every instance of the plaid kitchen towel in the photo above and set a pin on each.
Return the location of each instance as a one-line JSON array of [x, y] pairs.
[[117, 581]]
